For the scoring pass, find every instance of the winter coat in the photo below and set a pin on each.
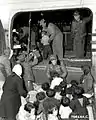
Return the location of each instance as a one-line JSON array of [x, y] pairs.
[[87, 83], [60, 69], [11, 97], [78, 34], [78, 109]]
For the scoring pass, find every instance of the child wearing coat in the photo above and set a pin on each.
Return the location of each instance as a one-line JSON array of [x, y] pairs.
[[50, 102], [64, 110], [46, 45], [56, 80]]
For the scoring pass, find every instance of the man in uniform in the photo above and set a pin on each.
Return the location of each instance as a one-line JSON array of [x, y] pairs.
[[55, 37], [78, 34]]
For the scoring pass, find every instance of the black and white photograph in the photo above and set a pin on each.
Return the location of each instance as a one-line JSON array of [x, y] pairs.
[[48, 60]]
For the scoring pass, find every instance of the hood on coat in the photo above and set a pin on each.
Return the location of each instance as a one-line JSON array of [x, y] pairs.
[[17, 69]]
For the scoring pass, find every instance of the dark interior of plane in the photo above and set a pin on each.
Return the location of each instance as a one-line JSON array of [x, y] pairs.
[[62, 18]]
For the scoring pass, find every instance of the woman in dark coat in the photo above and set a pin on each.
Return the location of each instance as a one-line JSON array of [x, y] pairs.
[[12, 92]]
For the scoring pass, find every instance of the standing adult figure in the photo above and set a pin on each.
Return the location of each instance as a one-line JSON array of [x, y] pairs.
[[4, 61], [78, 33], [5, 68], [55, 36], [56, 66], [12, 92], [87, 80], [27, 63]]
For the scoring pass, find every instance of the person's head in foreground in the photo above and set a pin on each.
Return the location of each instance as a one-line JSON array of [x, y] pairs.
[[40, 96], [78, 91], [50, 93], [45, 86], [65, 101]]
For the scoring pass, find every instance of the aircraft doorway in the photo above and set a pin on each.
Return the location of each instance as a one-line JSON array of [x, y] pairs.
[[63, 19]]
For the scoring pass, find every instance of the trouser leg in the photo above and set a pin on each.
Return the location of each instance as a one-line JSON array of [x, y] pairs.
[[45, 52], [58, 46]]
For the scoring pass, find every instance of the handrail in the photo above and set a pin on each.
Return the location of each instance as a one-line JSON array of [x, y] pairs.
[[70, 32]]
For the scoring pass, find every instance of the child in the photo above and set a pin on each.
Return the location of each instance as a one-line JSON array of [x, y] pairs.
[[40, 110], [46, 46], [31, 97], [50, 102], [26, 111], [45, 86], [58, 92], [37, 87], [56, 79], [70, 89], [65, 110], [38, 55], [63, 85], [79, 105], [30, 108], [53, 114]]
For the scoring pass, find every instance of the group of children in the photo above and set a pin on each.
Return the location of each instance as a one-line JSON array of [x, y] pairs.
[[55, 101]]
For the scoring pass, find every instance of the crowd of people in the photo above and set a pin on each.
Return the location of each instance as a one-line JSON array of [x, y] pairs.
[[23, 99], [56, 99]]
